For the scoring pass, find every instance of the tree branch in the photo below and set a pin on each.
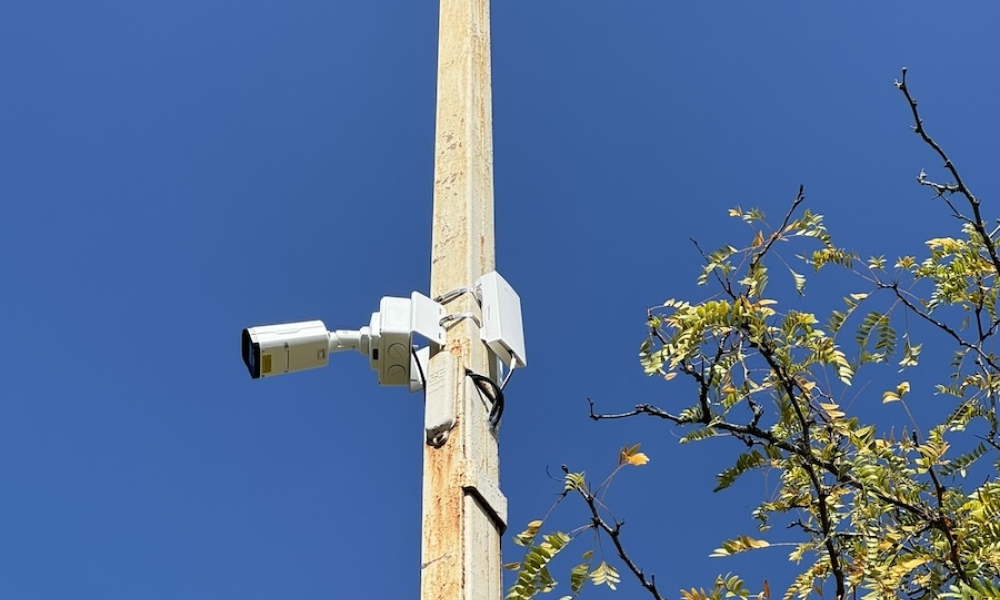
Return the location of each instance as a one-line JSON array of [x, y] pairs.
[[766, 438], [943, 524], [959, 185], [943, 327], [776, 234], [615, 534]]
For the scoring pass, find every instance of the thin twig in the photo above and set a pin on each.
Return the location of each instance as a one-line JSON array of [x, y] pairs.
[[959, 185], [776, 234], [615, 534], [766, 438], [942, 326]]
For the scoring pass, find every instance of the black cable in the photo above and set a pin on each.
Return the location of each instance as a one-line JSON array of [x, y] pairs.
[[486, 386], [493, 392]]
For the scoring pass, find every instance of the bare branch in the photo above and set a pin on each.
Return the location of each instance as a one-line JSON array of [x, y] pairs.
[[776, 234], [766, 438], [986, 358], [959, 186], [615, 534]]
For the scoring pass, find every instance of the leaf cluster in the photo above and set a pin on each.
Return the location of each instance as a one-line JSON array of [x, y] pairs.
[[533, 572], [874, 513]]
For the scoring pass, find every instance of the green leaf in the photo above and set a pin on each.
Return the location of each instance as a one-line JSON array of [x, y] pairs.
[[961, 464], [740, 544], [578, 576], [744, 463], [575, 481], [526, 537], [699, 434]]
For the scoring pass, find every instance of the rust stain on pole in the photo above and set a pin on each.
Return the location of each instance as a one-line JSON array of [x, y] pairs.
[[460, 555]]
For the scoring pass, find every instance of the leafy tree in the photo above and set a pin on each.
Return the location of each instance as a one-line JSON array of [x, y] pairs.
[[879, 512]]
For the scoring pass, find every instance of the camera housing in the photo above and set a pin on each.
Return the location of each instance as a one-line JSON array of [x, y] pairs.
[[391, 347], [387, 341], [287, 348]]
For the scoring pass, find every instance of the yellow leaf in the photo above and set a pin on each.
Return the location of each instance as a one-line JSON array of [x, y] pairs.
[[946, 244], [832, 410], [631, 455], [905, 567], [736, 212], [843, 367], [638, 459], [759, 240], [901, 390]]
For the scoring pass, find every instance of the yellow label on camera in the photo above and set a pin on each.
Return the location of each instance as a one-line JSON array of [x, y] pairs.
[[265, 363]]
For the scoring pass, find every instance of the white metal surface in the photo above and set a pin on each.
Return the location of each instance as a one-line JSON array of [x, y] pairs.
[[426, 316], [391, 356], [439, 413], [279, 349], [502, 329]]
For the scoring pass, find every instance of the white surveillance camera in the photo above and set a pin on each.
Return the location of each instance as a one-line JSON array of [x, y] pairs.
[[290, 347], [387, 342]]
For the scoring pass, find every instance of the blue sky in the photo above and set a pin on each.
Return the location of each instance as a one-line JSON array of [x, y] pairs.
[[172, 172]]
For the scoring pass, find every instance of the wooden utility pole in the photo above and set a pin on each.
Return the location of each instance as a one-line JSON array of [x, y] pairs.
[[464, 512]]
